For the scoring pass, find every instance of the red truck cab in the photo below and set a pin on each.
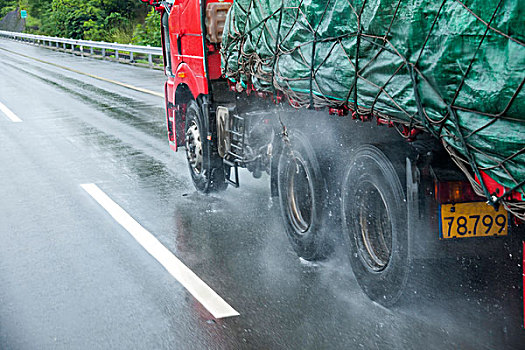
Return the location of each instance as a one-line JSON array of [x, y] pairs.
[[191, 59]]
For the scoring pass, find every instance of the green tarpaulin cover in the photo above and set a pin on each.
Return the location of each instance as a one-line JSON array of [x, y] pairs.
[[453, 68]]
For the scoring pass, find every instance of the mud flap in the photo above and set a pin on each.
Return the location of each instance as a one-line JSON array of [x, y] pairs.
[[412, 182], [274, 170], [179, 123]]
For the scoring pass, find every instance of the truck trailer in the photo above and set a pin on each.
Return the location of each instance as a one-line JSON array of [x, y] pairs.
[[394, 129]]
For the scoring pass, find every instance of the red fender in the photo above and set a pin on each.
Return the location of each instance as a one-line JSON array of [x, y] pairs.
[[185, 75]]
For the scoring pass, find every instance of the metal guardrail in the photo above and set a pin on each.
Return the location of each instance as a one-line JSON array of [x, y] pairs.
[[120, 51]]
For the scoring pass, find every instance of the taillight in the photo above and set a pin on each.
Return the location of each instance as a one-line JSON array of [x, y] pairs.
[[455, 192]]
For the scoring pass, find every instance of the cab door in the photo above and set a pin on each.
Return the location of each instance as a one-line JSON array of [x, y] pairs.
[[171, 33], [191, 41]]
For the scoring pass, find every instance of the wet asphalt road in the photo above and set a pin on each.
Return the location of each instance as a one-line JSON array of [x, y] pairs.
[[71, 277]]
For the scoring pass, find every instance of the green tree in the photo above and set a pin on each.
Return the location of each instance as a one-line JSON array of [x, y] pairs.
[[7, 6], [149, 32], [121, 21], [68, 17], [38, 8]]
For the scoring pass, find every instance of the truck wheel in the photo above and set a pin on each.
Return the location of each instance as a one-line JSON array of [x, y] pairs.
[[374, 219], [206, 167], [302, 193]]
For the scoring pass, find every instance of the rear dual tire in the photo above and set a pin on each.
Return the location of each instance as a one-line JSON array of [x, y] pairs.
[[375, 224], [303, 197], [373, 215]]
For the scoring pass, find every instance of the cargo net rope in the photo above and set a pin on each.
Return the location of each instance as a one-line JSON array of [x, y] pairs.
[[454, 69]]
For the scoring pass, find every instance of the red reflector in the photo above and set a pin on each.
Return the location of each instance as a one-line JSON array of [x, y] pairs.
[[455, 192]]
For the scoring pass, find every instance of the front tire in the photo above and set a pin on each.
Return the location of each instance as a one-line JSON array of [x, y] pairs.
[[206, 167], [375, 224], [302, 197]]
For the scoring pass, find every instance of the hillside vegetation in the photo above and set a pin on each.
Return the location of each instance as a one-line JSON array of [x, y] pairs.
[[122, 21]]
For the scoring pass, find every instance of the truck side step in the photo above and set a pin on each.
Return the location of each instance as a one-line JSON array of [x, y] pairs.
[[235, 166]]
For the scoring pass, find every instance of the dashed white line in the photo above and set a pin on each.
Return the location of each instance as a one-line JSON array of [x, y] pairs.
[[9, 114], [198, 288]]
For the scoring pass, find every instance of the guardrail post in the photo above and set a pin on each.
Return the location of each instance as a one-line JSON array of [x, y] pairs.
[[131, 56], [150, 58], [64, 44], [81, 50], [103, 53], [116, 54], [91, 50]]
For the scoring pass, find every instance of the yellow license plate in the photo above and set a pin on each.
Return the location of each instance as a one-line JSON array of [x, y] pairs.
[[476, 219]]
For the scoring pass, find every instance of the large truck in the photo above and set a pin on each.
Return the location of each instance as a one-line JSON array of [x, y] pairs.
[[389, 126]]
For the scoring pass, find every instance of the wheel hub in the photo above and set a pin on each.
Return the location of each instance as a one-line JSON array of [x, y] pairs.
[[374, 236], [300, 193], [194, 148]]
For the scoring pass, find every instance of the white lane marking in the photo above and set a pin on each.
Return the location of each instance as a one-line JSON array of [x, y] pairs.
[[14, 118], [198, 288]]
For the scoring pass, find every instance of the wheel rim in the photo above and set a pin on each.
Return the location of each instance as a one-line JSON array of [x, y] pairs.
[[300, 196], [194, 148], [374, 227], [223, 142]]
